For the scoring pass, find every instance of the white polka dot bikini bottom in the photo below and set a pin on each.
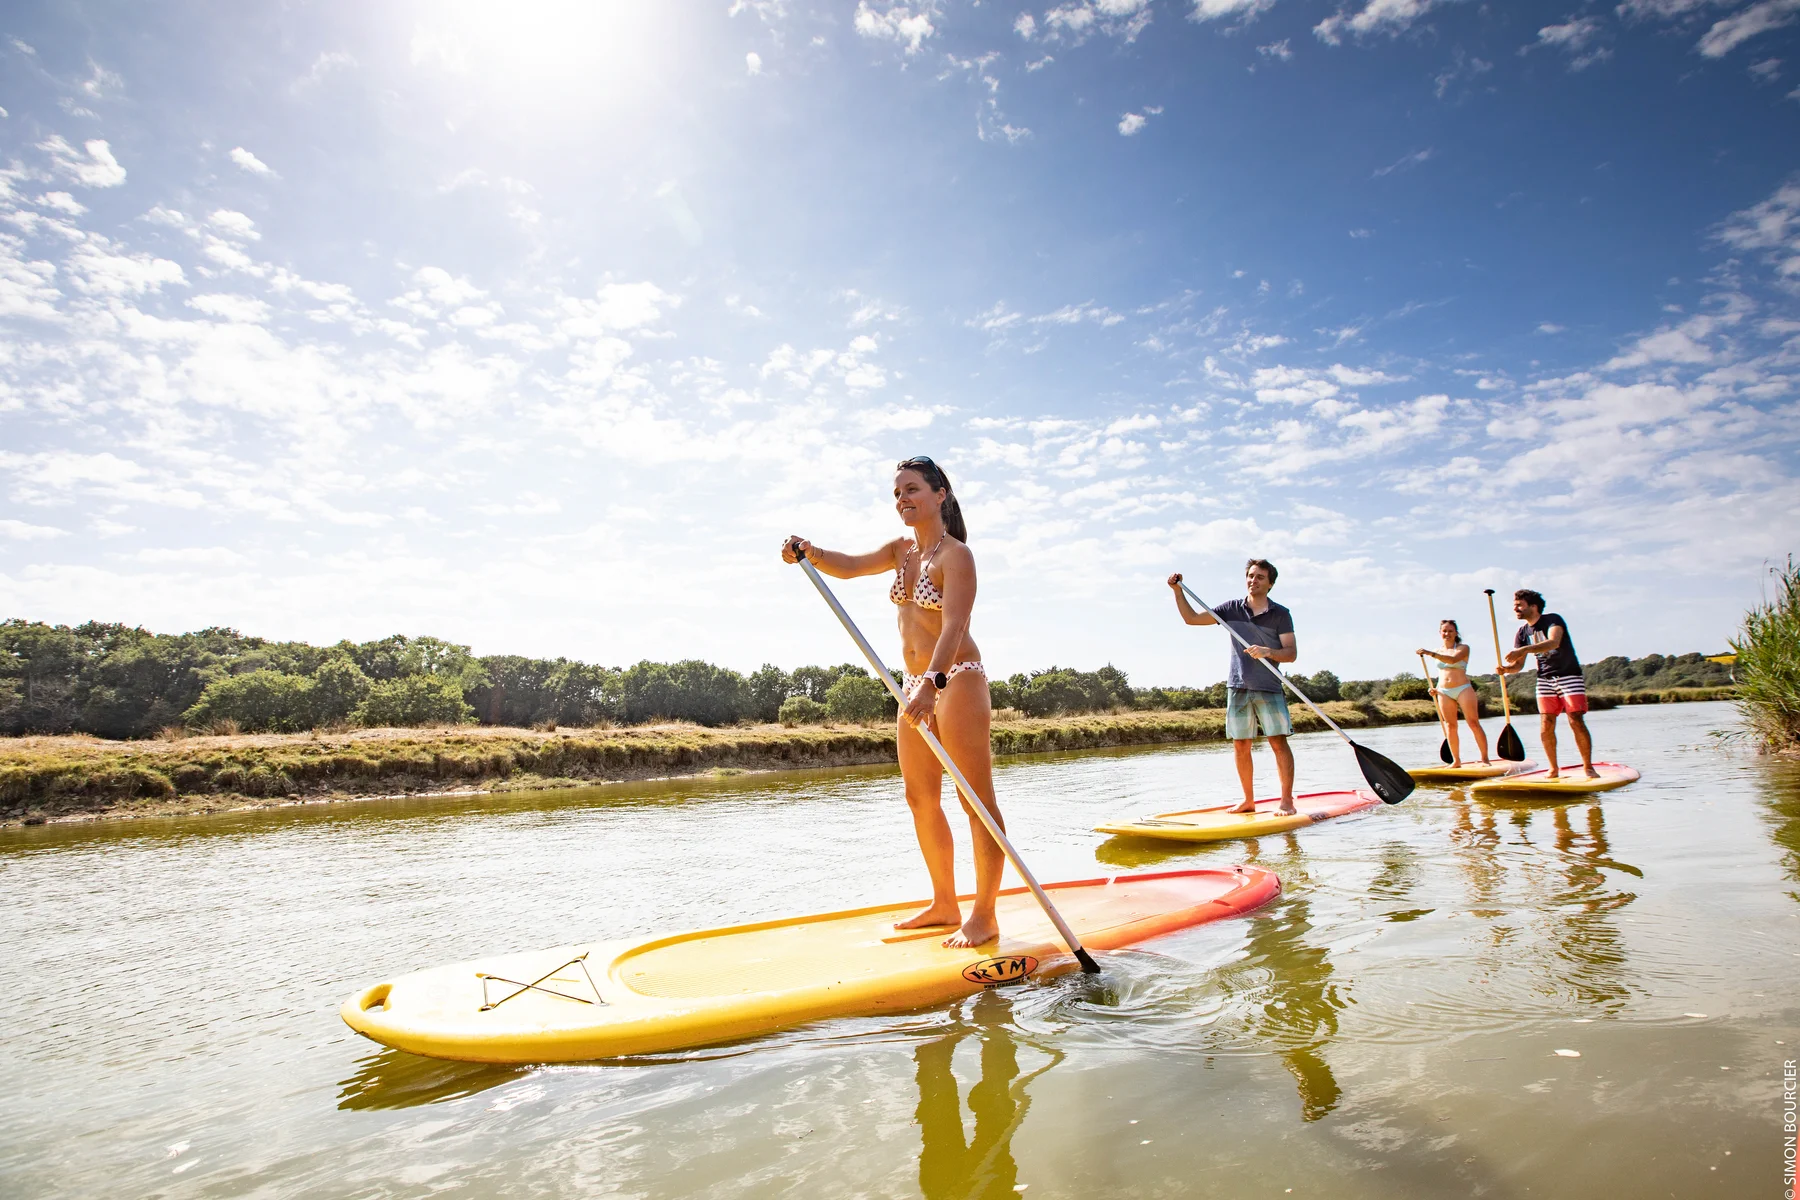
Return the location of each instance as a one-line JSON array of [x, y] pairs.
[[913, 681]]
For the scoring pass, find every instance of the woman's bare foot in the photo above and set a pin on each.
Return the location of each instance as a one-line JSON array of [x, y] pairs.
[[1247, 806], [1592, 774], [933, 916], [1286, 808], [976, 931]]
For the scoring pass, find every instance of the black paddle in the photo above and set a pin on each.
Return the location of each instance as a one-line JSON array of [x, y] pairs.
[[1509, 746], [1385, 776], [1443, 746]]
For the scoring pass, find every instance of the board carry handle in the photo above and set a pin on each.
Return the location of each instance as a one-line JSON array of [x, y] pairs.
[[975, 804]]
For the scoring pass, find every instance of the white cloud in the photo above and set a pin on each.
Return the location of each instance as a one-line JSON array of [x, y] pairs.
[[1216, 10], [896, 22], [1362, 233], [98, 169], [1405, 162], [1732, 32], [251, 163], [1572, 37], [20, 531], [1277, 50], [1771, 226], [234, 224], [1131, 122], [753, 63], [62, 202], [1549, 327], [328, 63], [231, 307], [1025, 26], [96, 270], [1767, 70], [1392, 17]]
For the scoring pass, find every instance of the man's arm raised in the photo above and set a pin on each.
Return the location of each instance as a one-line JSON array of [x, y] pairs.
[[1187, 610]]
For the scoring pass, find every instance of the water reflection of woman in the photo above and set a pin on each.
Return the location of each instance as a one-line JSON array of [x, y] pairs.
[[946, 685], [983, 1165], [1454, 693]]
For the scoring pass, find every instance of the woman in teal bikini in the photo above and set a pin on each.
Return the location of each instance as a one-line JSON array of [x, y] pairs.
[[1455, 693]]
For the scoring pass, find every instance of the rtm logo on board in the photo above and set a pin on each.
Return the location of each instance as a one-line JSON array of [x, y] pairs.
[[992, 972]]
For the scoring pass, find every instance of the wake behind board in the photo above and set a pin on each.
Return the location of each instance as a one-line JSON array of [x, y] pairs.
[[573, 1003], [1469, 772], [1572, 781], [1220, 824]]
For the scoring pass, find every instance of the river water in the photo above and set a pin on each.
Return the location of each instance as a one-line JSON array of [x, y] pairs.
[[1396, 1024]]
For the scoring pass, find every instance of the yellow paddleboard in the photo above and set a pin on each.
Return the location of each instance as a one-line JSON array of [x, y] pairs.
[[1220, 824], [573, 1003], [1469, 772], [1572, 781]]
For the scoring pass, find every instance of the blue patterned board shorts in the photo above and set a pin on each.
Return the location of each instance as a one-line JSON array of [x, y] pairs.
[[1244, 711]]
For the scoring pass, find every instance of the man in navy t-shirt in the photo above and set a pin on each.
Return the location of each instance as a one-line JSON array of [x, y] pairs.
[[1560, 685], [1253, 697]]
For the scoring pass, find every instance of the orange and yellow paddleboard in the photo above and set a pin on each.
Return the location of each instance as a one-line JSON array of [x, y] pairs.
[[1469, 772], [1219, 824], [1571, 781], [573, 1003]]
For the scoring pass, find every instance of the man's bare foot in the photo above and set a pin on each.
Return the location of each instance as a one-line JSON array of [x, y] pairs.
[[931, 917], [1285, 808], [1554, 774], [1247, 806], [1592, 774], [976, 931]]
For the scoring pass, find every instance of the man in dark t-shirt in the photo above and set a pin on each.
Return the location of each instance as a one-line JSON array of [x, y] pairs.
[[1253, 697], [1560, 686]]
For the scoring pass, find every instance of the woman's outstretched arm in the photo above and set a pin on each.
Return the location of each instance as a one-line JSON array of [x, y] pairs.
[[838, 564]]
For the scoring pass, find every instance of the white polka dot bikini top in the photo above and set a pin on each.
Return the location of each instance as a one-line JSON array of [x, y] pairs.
[[924, 593]]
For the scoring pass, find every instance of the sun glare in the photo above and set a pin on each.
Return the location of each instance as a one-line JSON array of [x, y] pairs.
[[524, 47]]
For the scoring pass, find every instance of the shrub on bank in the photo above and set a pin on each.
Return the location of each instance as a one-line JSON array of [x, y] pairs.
[[414, 700], [859, 698], [802, 710], [1768, 663]]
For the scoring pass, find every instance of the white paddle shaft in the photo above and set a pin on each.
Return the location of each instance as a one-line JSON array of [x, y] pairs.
[[1271, 666], [975, 804]]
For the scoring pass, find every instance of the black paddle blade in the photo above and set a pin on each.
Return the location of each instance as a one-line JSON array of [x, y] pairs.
[[1384, 775], [1510, 747], [1444, 751]]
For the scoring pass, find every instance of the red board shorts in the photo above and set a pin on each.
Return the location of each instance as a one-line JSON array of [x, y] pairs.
[[1561, 694]]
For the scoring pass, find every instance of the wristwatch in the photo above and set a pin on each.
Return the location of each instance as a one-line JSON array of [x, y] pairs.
[[939, 680]]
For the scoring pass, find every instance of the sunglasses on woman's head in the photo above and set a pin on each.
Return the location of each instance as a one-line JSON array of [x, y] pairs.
[[915, 462]]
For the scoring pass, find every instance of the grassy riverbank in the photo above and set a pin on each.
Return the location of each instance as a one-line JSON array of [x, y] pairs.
[[45, 778]]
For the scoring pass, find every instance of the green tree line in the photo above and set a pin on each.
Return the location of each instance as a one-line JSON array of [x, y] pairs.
[[119, 681]]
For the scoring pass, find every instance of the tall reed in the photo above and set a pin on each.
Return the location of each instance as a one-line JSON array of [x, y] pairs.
[[1768, 663]]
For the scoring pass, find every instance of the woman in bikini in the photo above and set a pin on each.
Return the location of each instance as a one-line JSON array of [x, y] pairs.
[[946, 686], [1455, 693]]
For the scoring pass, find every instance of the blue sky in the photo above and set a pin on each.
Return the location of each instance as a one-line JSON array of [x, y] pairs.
[[538, 324]]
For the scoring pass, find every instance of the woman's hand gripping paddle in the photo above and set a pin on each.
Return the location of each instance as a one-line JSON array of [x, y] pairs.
[[1509, 746], [1384, 774], [974, 802], [1443, 746]]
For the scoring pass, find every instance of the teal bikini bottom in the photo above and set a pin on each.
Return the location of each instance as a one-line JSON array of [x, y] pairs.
[[1453, 692]]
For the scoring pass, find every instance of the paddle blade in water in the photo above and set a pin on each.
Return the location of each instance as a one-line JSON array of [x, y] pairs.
[[1444, 751], [1510, 748], [1385, 777]]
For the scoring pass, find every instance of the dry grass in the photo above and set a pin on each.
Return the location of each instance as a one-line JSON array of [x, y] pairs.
[[49, 777]]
